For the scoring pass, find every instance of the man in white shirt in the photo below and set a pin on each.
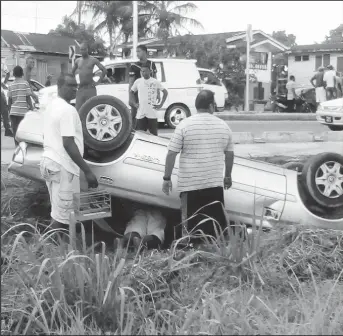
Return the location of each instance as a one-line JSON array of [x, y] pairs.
[[330, 81], [147, 88], [291, 95], [63, 152]]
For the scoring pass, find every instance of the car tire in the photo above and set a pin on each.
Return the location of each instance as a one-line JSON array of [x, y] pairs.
[[116, 123], [314, 170], [335, 128], [293, 165], [175, 114]]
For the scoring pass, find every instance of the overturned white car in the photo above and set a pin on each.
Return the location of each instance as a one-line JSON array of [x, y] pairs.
[[131, 166]]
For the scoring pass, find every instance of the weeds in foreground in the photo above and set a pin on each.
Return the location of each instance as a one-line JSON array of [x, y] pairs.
[[288, 281]]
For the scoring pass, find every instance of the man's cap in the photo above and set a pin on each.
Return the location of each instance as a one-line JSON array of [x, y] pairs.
[[321, 68]]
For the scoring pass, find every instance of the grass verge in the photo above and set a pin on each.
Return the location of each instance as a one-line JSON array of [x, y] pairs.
[[288, 281]]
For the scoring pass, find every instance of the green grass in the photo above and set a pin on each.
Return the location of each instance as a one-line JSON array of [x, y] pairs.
[[288, 281]]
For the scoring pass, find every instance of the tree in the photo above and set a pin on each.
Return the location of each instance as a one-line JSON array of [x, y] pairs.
[[110, 15], [80, 33], [336, 35], [168, 17], [288, 40]]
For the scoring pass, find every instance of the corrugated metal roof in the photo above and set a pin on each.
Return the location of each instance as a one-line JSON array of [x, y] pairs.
[[317, 47], [39, 42]]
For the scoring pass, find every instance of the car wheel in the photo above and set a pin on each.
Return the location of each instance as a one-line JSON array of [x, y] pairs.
[[335, 128], [175, 114], [106, 123], [293, 165], [322, 178]]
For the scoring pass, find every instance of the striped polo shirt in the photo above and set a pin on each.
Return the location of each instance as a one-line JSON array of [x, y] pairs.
[[18, 91], [201, 141]]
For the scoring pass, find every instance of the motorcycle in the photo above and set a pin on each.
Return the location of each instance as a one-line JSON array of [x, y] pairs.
[[280, 105]]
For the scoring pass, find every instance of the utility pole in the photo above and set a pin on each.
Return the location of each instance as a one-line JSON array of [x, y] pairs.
[[36, 17], [249, 36], [135, 28], [79, 8]]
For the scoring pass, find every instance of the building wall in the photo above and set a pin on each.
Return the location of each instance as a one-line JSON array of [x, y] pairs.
[[44, 64], [304, 70]]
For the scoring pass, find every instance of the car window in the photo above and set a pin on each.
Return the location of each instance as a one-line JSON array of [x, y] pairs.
[[117, 74], [209, 77], [35, 86]]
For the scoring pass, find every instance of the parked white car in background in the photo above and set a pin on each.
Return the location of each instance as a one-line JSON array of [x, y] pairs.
[[211, 82], [330, 114], [180, 77]]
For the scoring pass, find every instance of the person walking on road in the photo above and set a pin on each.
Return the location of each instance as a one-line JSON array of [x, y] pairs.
[[135, 73], [48, 80], [5, 75], [147, 88], [319, 86], [291, 95], [85, 67], [206, 147], [30, 64], [330, 81], [19, 99], [62, 158]]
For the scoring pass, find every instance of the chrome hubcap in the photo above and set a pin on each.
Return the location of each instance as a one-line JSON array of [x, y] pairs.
[[329, 179], [177, 115], [104, 122]]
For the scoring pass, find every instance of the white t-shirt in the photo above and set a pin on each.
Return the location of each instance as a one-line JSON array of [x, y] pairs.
[[147, 95], [61, 119], [329, 78], [289, 86]]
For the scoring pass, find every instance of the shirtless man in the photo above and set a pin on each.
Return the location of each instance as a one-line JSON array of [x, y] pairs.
[[85, 66]]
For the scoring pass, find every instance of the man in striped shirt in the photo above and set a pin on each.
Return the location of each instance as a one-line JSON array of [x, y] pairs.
[[206, 150], [19, 99]]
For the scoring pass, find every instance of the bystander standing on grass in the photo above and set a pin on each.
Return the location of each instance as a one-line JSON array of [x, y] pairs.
[[62, 158], [205, 146]]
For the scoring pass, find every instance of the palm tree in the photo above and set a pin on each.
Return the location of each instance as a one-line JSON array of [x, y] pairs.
[[168, 17], [110, 14], [144, 29]]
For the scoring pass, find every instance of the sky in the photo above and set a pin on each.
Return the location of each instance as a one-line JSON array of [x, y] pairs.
[[309, 21]]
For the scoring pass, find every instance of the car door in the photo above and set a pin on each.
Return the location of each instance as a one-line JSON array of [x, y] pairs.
[[120, 86], [212, 83]]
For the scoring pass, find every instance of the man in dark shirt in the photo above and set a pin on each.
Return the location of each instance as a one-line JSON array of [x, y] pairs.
[[320, 89], [135, 73]]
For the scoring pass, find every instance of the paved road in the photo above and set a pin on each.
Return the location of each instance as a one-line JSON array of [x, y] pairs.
[[258, 127]]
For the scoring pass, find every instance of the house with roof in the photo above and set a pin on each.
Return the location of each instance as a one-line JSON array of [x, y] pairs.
[[304, 60], [262, 49], [50, 52]]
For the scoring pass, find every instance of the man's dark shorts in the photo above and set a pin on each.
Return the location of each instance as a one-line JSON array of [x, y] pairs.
[[146, 124], [192, 201], [83, 94]]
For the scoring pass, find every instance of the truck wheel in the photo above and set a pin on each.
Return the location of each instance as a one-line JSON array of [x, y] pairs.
[[322, 178], [106, 123]]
